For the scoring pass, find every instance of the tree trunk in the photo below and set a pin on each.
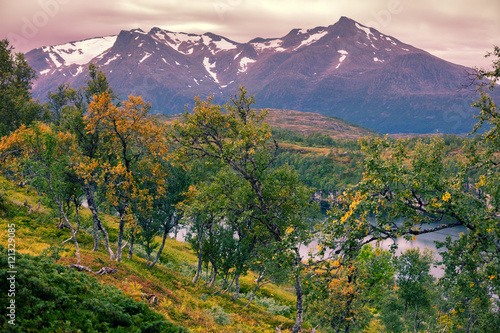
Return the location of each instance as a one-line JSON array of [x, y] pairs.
[[470, 320], [73, 233], [160, 250], [131, 247], [121, 230], [237, 288], [300, 297], [257, 286], [78, 226], [59, 202], [97, 225], [106, 240], [200, 256], [95, 218], [404, 313], [447, 321], [166, 229], [415, 324], [214, 276], [77, 214], [95, 232], [207, 278]]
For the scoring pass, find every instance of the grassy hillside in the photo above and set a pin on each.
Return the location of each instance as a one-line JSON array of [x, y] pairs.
[[178, 302], [305, 123]]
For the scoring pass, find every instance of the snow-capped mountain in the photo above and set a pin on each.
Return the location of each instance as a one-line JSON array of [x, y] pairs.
[[346, 70]]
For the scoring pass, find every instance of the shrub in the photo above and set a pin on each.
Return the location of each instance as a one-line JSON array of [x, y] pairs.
[[55, 297], [272, 306], [276, 309], [219, 315]]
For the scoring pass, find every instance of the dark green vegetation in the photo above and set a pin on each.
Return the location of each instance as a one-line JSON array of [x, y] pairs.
[[55, 298], [16, 80], [245, 194]]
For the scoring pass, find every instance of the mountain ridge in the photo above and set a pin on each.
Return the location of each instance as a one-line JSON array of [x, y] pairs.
[[346, 70]]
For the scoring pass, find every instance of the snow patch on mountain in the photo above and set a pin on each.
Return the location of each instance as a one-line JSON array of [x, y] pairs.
[[111, 59], [79, 71], [209, 67], [139, 31], [216, 46], [80, 53], [54, 60], [176, 39], [147, 55], [225, 86], [365, 30], [244, 64], [390, 40], [273, 45], [311, 39], [344, 54]]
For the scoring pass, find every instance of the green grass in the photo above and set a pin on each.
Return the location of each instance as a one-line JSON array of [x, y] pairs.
[[180, 302]]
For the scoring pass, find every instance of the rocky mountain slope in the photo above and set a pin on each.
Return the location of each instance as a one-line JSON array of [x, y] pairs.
[[346, 70]]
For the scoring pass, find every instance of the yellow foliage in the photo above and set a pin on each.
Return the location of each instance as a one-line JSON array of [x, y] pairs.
[[481, 182], [165, 303], [134, 290]]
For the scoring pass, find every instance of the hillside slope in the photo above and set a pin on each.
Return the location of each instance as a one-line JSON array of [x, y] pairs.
[[176, 299], [305, 123]]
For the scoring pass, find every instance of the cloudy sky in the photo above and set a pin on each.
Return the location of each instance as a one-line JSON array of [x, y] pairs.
[[460, 31]]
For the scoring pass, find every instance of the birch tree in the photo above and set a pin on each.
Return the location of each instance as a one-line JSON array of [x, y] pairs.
[[236, 136]]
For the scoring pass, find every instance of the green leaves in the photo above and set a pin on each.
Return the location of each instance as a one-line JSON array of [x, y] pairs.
[[16, 76], [237, 137], [244, 211], [426, 190]]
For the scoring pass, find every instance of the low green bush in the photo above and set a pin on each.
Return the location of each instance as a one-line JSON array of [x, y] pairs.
[[54, 298], [219, 315]]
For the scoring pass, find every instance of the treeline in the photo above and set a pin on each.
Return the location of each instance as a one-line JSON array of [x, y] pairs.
[[342, 163]]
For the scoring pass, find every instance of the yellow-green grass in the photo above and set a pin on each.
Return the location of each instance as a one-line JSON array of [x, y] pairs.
[[179, 300], [303, 122]]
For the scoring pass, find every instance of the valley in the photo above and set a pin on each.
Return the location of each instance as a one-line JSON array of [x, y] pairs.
[[340, 139]]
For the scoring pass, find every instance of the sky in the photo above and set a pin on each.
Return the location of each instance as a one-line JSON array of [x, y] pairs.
[[460, 31]]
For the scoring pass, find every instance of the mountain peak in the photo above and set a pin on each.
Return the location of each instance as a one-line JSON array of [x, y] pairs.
[[343, 70], [345, 19]]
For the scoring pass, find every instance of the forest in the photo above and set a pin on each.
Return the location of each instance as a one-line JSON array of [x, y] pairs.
[[106, 184]]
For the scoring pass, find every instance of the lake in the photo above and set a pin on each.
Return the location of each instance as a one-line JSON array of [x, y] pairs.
[[422, 241]]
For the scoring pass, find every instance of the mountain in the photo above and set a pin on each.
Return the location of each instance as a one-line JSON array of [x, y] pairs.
[[346, 70]]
